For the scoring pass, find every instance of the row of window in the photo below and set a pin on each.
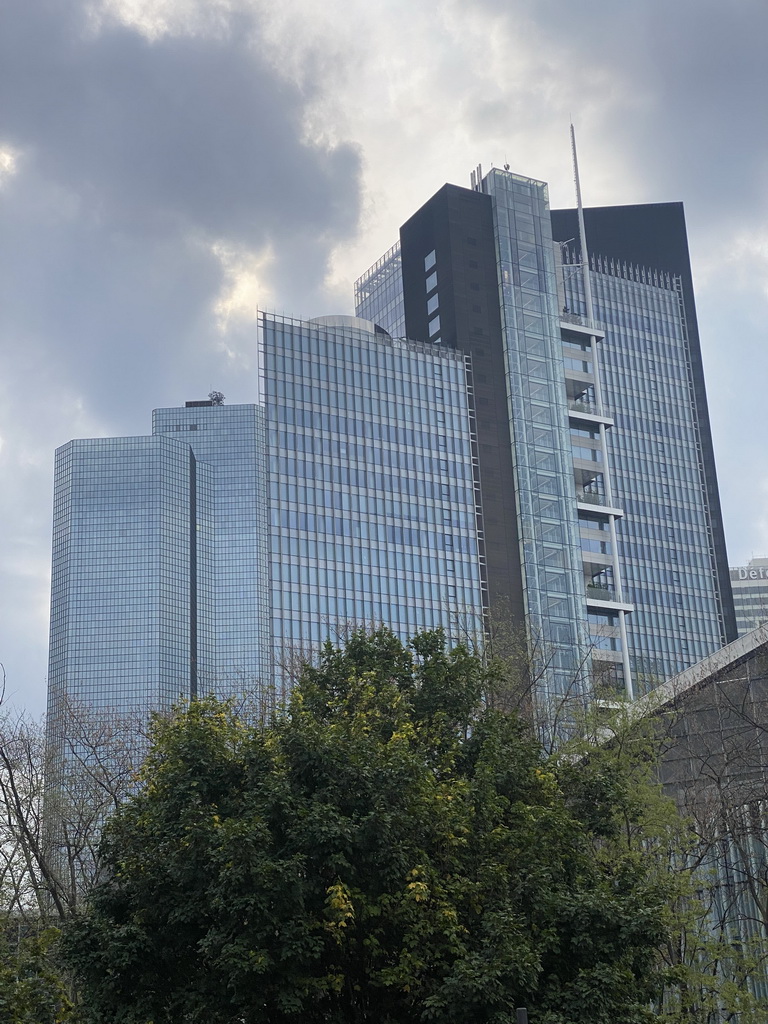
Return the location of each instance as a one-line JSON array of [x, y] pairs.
[[433, 300], [375, 433], [381, 488]]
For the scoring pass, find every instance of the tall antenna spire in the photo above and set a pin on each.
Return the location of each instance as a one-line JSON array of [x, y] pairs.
[[582, 232]]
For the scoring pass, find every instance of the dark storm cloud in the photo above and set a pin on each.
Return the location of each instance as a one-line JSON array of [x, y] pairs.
[[135, 156]]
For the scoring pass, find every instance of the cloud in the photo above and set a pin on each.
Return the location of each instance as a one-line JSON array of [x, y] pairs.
[[691, 78], [147, 158], [158, 173]]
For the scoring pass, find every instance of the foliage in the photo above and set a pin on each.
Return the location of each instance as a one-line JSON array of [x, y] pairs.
[[390, 849], [31, 987]]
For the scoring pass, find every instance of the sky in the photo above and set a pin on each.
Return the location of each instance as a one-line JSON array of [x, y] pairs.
[[168, 165]]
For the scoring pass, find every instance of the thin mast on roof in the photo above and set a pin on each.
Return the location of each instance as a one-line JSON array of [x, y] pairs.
[[582, 232], [599, 408]]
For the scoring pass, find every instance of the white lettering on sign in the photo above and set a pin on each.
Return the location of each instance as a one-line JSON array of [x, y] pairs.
[[745, 573]]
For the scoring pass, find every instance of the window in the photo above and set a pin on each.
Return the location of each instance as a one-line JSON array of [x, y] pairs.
[[429, 260], [432, 282], [432, 303], [434, 326]]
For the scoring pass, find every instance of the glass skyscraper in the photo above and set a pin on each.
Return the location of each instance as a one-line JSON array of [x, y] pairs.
[[229, 547], [665, 534], [537, 456], [601, 515], [123, 584], [374, 511], [205, 557]]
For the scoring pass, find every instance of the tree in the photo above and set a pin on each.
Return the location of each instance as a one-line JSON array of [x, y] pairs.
[[53, 804], [54, 800], [389, 849], [32, 990]]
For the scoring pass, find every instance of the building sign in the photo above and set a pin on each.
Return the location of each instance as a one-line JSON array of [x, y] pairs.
[[746, 572]]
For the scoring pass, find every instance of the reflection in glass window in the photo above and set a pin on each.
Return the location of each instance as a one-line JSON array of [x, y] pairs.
[[361, 542]]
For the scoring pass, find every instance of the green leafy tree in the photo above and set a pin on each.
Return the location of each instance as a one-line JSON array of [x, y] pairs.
[[32, 989], [389, 850]]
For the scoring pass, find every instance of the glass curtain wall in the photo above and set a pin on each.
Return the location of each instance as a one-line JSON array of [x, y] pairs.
[[229, 442], [658, 475], [372, 499], [123, 583], [546, 496], [379, 293]]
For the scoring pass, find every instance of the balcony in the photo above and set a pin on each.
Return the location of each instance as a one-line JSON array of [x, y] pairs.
[[593, 562], [590, 501], [588, 411], [606, 596], [581, 324], [578, 405], [588, 476], [591, 498]]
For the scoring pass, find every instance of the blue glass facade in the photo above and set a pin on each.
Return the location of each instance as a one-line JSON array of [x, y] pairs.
[[123, 585], [518, 460], [201, 558], [372, 494], [229, 443], [598, 488], [665, 535], [379, 293], [552, 571]]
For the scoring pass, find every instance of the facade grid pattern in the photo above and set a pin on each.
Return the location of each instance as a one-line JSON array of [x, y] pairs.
[[379, 293], [121, 586], [750, 594], [229, 444], [665, 535], [372, 500], [553, 581]]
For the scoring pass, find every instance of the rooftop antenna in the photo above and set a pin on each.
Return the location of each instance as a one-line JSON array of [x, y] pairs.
[[582, 232]]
